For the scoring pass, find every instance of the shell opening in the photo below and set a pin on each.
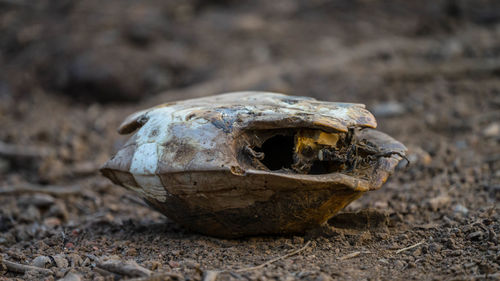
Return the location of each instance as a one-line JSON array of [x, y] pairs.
[[308, 151]]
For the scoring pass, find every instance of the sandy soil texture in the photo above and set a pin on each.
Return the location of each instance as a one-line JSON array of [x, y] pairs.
[[70, 71]]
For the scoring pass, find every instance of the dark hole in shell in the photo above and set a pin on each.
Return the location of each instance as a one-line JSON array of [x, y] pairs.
[[278, 152]]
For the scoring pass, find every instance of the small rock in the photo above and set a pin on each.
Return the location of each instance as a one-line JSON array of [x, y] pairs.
[[173, 264], [153, 265], [475, 236], [60, 261], [459, 208], [388, 109], [58, 210], [492, 236], [52, 222], [74, 260], [435, 247], [324, 277], [415, 155], [210, 275], [190, 263], [418, 155], [399, 264], [41, 261], [492, 130], [411, 265], [439, 202], [34, 275], [38, 200], [417, 252], [383, 261], [383, 205], [131, 252]]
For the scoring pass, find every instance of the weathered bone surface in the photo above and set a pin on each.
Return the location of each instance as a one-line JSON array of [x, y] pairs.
[[251, 163]]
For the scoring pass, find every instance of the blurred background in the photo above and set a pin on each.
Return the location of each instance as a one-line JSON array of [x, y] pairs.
[[71, 71]]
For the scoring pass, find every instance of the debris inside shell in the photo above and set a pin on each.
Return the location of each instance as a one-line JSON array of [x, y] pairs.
[[251, 163], [306, 151]]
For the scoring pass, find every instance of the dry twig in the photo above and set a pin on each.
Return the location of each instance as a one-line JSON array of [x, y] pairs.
[[130, 269], [22, 268], [273, 260], [353, 255], [410, 247], [211, 275], [350, 256]]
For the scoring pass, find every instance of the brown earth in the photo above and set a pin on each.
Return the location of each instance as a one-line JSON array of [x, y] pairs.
[[72, 70]]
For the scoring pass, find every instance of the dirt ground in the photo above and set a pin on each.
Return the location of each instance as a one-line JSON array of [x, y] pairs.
[[70, 71]]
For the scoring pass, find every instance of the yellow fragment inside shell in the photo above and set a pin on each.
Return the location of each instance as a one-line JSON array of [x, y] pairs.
[[314, 140]]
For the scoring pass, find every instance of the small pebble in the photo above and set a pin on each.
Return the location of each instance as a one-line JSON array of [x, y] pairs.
[[39, 200], [58, 210], [324, 277], [41, 261], [435, 247], [60, 261], [190, 263], [52, 222], [131, 252], [475, 235], [71, 277], [492, 130], [459, 208], [417, 252], [439, 202], [399, 264], [383, 261], [173, 264], [411, 265], [74, 260]]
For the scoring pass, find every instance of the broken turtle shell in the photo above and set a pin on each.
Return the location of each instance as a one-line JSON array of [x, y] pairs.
[[251, 163]]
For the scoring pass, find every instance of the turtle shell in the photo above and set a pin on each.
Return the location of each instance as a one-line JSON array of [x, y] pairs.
[[250, 163]]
